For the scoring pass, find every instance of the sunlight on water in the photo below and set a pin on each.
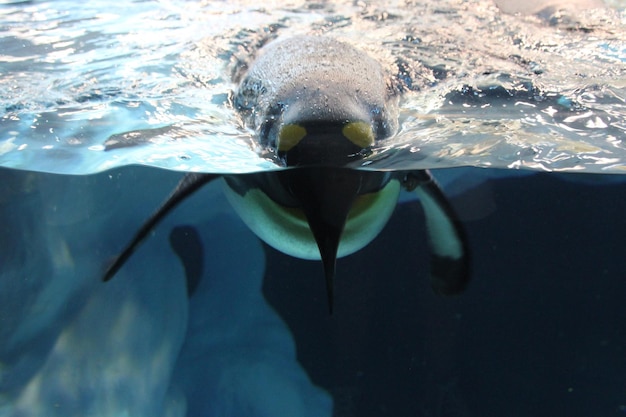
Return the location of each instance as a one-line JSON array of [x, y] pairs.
[[89, 88]]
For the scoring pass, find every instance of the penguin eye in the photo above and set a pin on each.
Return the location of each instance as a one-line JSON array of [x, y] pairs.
[[289, 136], [360, 133]]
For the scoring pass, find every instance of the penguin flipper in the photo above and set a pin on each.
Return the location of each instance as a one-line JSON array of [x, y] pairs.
[[187, 186], [450, 259]]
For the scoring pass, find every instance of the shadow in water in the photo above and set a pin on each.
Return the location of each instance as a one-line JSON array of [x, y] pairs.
[[539, 332]]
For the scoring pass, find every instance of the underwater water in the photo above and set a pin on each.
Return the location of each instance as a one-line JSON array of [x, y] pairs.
[[539, 331], [206, 320]]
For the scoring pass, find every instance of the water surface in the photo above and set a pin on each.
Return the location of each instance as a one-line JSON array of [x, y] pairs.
[[85, 89]]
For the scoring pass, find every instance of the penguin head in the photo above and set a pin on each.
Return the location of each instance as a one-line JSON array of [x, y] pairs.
[[334, 143], [324, 129]]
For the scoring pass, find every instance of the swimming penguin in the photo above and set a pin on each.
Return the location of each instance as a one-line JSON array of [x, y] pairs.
[[320, 105]]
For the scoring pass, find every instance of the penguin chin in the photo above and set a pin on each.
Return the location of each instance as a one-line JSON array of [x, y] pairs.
[[286, 228]]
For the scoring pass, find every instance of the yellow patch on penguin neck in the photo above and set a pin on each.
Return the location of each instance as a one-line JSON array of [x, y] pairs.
[[359, 133], [289, 136]]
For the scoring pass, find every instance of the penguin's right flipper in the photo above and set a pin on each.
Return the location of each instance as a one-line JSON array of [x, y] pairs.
[[187, 186], [450, 259]]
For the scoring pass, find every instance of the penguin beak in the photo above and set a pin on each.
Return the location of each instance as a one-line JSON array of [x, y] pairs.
[[326, 196]]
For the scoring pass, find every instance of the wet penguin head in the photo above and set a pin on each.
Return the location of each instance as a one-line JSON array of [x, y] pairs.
[[336, 132], [316, 101], [324, 143]]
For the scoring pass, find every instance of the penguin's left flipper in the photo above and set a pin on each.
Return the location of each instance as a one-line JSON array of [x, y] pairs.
[[187, 186], [450, 259], [186, 243]]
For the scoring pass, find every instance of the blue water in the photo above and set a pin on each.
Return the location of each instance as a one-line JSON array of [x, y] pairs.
[[539, 332], [88, 89], [96, 90]]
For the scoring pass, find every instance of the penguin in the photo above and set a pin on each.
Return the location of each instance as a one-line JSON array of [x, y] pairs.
[[317, 101], [320, 105]]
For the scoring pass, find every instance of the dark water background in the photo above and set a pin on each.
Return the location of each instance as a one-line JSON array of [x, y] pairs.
[[541, 331]]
